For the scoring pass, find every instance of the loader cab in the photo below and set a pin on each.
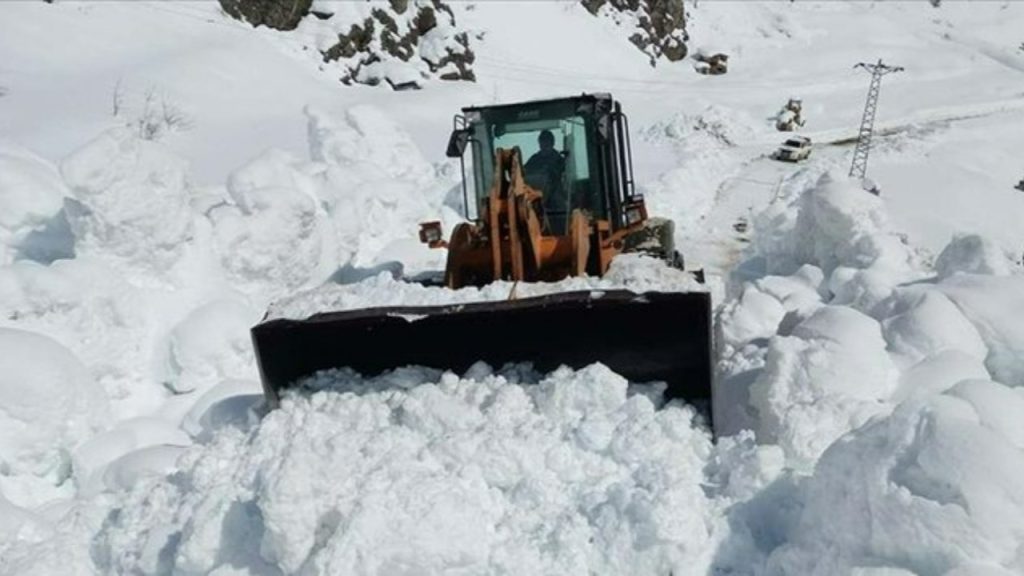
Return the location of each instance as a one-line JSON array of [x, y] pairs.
[[591, 137]]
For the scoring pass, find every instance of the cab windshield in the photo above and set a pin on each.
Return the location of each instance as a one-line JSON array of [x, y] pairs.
[[553, 141]]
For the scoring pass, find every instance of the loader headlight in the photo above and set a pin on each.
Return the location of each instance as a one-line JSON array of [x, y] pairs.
[[636, 211], [431, 235]]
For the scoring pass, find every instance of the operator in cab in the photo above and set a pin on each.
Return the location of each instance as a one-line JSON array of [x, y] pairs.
[[544, 170]]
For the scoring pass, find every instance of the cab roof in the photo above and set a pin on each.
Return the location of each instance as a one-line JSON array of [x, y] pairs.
[[582, 98]]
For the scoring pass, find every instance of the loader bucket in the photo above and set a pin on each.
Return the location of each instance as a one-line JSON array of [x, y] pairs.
[[646, 337]]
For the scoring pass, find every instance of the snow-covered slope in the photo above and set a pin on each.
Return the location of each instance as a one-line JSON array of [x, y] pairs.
[[166, 172]]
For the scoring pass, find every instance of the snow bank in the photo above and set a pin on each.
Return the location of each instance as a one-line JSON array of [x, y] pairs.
[[292, 223], [367, 140], [131, 200], [440, 474], [31, 193], [928, 490], [888, 389], [50, 404], [972, 253], [843, 323], [827, 378], [832, 225], [704, 144], [995, 306], [377, 186], [274, 235], [87, 306], [211, 345], [920, 322], [628, 272]]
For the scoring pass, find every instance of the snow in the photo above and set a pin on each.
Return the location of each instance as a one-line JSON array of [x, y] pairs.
[[994, 305], [130, 200], [490, 468], [972, 253], [827, 378], [870, 352], [32, 194], [632, 272], [943, 476], [50, 405]]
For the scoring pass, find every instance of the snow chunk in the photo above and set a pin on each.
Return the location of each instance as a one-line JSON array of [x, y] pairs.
[[377, 187], [832, 224], [93, 458], [827, 378], [944, 477], [366, 139], [48, 404], [31, 193], [230, 403], [14, 520], [152, 461], [212, 344], [273, 237], [436, 475], [920, 321], [973, 254], [131, 200], [939, 373], [995, 305]]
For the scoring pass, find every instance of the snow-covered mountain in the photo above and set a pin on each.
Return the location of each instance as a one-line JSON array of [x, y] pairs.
[[167, 171]]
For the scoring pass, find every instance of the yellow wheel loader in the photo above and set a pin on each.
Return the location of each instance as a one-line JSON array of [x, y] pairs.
[[551, 195]]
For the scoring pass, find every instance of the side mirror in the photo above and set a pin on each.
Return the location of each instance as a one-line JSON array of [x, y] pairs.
[[457, 142], [431, 235]]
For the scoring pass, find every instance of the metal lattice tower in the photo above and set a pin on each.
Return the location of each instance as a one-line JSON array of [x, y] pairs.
[[867, 124]]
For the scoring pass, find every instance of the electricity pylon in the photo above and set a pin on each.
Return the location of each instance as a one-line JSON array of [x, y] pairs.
[[867, 124]]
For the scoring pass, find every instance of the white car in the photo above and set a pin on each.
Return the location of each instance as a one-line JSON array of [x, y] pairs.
[[794, 149]]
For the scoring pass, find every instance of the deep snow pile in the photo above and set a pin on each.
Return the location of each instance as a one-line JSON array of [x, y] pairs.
[[420, 472], [861, 373], [897, 392], [932, 489], [289, 223], [152, 313]]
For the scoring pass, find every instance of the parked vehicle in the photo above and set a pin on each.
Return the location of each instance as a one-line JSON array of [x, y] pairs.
[[794, 149]]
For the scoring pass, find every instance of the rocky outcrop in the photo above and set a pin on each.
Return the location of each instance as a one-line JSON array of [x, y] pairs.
[[277, 14], [398, 42], [406, 31], [660, 25]]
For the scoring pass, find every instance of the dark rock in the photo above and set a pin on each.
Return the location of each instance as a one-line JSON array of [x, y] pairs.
[[661, 23], [277, 14], [399, 6], [391, 31], [402, 43]]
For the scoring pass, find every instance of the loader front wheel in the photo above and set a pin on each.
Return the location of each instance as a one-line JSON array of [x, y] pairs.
[[456, 270]]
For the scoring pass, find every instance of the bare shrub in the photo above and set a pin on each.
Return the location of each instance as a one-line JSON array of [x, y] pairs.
[[152, 116]]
